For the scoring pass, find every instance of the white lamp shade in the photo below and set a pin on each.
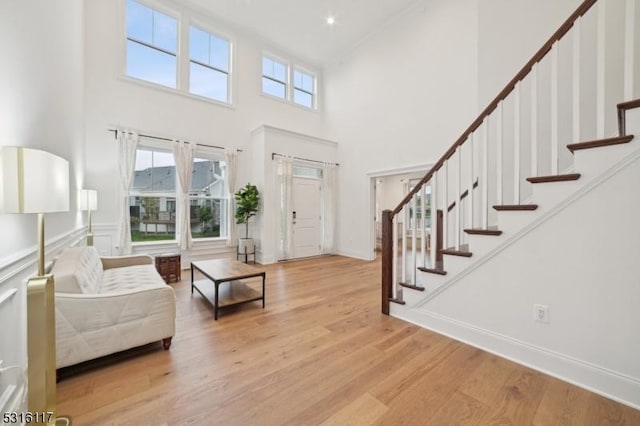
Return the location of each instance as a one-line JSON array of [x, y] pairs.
[[88, 199], [33, 181]]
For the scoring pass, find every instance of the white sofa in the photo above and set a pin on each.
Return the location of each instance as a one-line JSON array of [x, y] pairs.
[[107, 305]]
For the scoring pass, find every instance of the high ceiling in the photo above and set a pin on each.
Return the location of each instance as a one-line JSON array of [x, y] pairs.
[[300, 27]]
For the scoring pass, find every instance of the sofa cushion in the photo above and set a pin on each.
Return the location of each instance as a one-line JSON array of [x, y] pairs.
[[89, 273], [78, 270], [130, 278]]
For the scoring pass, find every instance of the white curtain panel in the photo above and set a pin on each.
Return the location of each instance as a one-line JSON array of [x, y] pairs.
[[230, 178], [284, 180], [329, 188], [127, 145], [183, 154]]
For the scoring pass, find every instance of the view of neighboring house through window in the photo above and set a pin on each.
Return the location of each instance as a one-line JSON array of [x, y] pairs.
[[303, 88], [274, 77], [209, 65], [152, 201], [152, 204], [151, 45], [208, 199]]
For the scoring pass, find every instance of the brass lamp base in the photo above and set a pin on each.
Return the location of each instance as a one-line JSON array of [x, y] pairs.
[[41, 346]]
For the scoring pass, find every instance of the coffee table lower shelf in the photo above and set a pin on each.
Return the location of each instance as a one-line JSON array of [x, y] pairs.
[[229, 293]]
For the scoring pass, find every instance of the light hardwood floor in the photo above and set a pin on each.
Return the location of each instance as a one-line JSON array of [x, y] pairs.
[[320, 353]]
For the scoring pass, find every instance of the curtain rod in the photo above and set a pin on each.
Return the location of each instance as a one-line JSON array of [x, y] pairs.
[[115, 132], [273, 154]]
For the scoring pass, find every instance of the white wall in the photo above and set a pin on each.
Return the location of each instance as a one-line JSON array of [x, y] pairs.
[[41, 81], [400, 98], [41, 106], [115, 100], [509, 33]]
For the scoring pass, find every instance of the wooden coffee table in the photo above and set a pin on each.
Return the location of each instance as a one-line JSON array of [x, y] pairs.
[[226, 271]]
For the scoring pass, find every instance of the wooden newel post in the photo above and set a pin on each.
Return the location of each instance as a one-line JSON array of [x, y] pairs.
[[387, 260]]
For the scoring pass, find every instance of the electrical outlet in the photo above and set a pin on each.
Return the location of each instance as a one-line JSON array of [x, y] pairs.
[[541, 313]]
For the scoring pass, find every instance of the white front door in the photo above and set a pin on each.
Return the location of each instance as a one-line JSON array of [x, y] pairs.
[[305, 201]]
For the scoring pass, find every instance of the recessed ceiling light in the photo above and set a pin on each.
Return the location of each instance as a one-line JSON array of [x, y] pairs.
[[331, 20]]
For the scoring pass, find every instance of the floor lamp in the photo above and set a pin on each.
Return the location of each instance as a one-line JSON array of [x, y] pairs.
[[35, 181], [88, 202]]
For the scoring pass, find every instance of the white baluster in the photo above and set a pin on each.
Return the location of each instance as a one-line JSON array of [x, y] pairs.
[[434, 218], [629, 47], [395, 256], [404, 243], [485, 174], [554, 109], [600, 67], [423, 223], [458, 155], [469, 204], [499, 112], [516, 145], [577, 36], [445, 205], [414, 240], [534, 120]]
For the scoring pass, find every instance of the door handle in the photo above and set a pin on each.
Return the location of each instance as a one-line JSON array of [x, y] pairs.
[[294, 215]]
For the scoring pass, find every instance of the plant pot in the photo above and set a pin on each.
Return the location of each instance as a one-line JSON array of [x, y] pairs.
[[246, 246]]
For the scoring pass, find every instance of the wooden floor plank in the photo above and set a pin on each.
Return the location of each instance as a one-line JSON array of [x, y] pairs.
[[320, 351], [364, 410]]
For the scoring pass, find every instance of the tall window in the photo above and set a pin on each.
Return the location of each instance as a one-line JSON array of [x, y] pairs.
[[208, 199], [152, 201], [274, 77], [277, 78], [209, 65], [303, 88], [152, 40]]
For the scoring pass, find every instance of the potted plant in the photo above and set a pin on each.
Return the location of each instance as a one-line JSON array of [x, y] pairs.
[[247, 203]]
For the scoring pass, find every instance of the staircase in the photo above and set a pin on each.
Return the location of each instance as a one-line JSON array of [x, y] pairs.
[[506, 207]]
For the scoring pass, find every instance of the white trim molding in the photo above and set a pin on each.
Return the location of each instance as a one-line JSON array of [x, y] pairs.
[[602, 381]]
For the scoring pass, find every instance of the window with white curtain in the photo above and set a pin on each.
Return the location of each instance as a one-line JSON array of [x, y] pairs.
[[152, 201]]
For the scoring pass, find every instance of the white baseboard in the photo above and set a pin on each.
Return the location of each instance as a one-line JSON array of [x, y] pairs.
[[610, 384], [356, 254]]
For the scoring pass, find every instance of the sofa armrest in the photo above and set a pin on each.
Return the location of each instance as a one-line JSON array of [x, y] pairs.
[[121, 261]]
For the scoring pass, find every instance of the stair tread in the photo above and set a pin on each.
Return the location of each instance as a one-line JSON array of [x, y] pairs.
[[599, 143], [439, 269], [462, 251], [515, 207], [492, 230], [411, 286], [398, 301], [554, 178]]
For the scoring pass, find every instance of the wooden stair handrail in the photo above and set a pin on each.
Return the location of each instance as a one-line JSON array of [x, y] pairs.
[[540, 54]]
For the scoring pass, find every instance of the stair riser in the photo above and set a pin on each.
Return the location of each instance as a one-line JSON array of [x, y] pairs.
[[511, 222], [412, 297], [592, 162], [550, 194], [455, 264], [482, 244]]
